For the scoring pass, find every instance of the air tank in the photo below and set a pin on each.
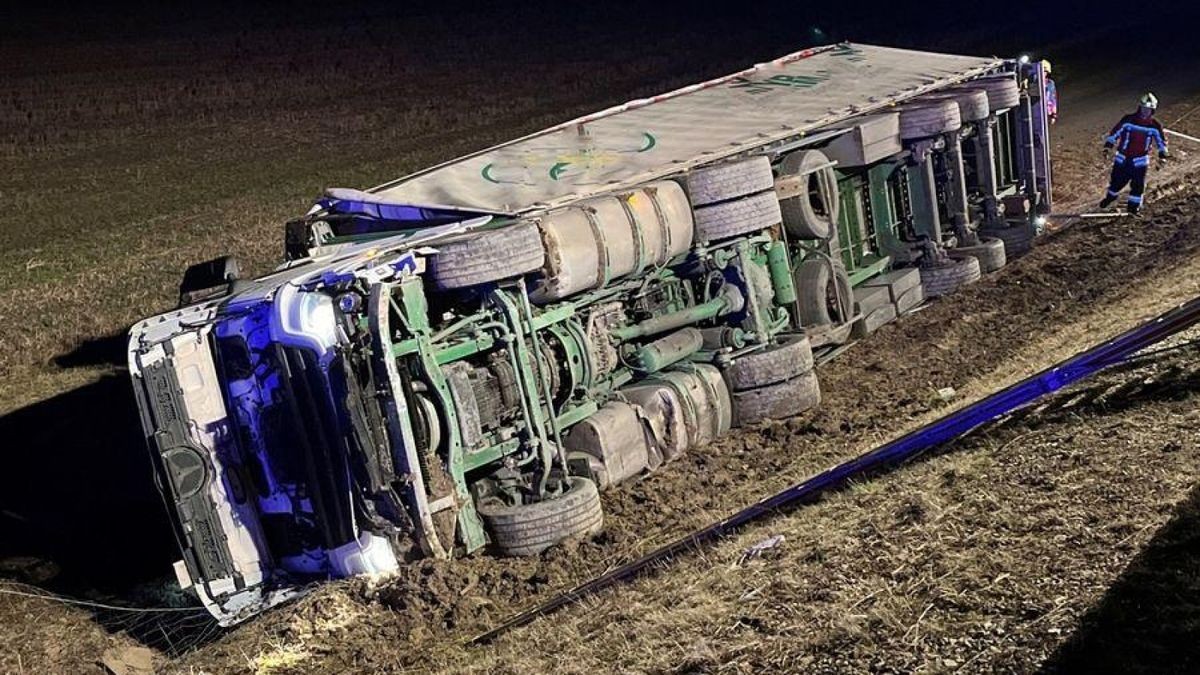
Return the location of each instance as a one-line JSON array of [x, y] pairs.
[[600, 240]]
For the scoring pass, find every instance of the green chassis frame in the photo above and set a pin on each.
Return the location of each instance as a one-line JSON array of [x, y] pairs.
[[404, 338]]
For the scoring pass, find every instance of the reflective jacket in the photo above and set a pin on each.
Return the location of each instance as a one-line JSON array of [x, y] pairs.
[[1133, 136]]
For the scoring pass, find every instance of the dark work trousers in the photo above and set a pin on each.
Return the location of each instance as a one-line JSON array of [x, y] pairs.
[[1125, 173]]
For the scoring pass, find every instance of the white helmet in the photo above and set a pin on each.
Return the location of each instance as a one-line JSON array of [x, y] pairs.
[[1149, 101]]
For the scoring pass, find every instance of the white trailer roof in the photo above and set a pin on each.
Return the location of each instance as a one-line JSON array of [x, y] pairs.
[[650, 138]]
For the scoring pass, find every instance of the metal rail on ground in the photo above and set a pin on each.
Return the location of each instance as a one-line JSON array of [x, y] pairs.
[[1172, 132], [1091, 214], [945, 429]]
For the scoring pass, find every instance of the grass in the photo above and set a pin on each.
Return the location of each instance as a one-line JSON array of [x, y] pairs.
[[124, 164], [279, 659], [966, 566]]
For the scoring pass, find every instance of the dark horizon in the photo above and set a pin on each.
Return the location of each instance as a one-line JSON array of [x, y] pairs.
[[899, 23]]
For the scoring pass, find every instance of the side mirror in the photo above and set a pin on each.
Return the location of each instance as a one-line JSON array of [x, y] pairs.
[[209, 279]]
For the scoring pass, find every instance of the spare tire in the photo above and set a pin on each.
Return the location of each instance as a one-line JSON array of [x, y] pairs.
[[490, 255], [529, 529], [1002, 92], [790, 357], [923, 120], [824, 293], [730, 180], [989, 252], [729, 219], [814, 214]]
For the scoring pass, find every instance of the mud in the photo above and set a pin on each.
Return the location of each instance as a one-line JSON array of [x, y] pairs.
[[873, 391]]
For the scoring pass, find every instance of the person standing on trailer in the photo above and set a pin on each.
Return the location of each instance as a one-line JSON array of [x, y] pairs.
[[1132, 139]]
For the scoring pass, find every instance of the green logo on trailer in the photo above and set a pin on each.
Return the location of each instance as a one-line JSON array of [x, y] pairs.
[[559, 164]]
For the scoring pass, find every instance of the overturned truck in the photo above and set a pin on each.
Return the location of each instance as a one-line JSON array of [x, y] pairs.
[[464, 358]]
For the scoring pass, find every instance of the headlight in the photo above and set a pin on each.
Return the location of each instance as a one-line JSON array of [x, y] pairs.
[[304, 319]]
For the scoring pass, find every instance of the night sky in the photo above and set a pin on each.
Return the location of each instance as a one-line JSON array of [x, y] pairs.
[[901, 23]]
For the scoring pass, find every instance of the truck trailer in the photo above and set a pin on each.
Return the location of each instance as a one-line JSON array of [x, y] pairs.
[[465, 358]]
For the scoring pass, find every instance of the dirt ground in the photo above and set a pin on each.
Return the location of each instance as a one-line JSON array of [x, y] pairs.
[[1056, 541], [931, 538]]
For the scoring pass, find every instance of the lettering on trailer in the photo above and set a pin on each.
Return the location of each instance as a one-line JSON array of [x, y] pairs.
[[792, 81], [557, 164], [805, 81]]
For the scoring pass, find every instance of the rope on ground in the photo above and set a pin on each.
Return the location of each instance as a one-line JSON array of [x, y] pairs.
[[171, 630], [42, 594]]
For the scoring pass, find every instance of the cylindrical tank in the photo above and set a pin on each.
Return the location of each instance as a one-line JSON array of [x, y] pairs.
[[663, 412], [599, 240], [614, 439], [709, 409], [682, 408], [670, 349]]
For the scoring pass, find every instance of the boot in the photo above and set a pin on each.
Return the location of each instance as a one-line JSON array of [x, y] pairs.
[[1133, 208], [1107, 201]]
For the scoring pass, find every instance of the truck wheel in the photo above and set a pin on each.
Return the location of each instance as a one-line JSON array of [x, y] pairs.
[[529, 529], [972, 103], [989, 252], [944, 279], [1018, 239], [824, 292], [722, 182], [777, 401], [812, 215], [923, 120], [729, 219], [487, 256], [1002, 92], [790, 357]]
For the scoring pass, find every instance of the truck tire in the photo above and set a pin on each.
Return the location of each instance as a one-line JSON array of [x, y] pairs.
[[804, 216], [729, 219], [529, 529], [923, 120], [1018, 239], [972, 103], [777, 401], [790, 357], [1002, 92], [824, 293], [722, 182], [487, 256], [946, 278], [989, 251]]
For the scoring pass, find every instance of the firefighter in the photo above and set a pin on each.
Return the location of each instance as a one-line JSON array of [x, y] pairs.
[[1132, 138], [1051, 94]]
